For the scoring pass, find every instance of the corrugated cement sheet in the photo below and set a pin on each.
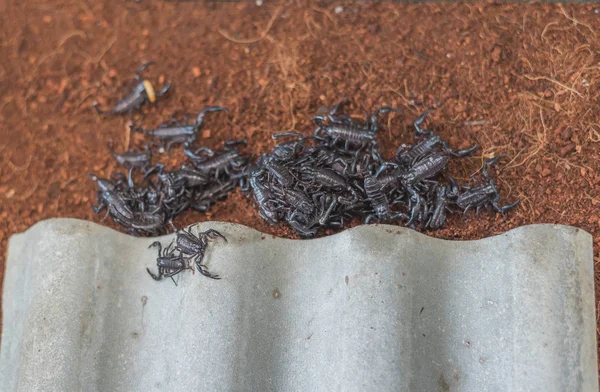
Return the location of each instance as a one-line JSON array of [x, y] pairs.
[[377, 308]]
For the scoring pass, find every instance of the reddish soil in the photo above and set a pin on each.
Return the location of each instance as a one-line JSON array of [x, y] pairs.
[[521, 80]]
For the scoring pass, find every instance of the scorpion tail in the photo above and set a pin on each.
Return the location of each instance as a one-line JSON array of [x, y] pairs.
[[504, 209], [488, 164], [419, 121], [209, 109]]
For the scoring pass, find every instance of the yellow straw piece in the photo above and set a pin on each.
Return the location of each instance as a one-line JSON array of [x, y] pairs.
[[149, 91]]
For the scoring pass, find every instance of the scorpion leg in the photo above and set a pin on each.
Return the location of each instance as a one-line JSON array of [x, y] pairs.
[[157, 243], [200, 117], [170, 144], [454, 188], [477, 210], [487, 164], [164, 90], [416, 208], [325, 217], [505, 208], [384, 166], [155, 277], [212, 233], [151, 169], [400, 215], [99, 207], [373, 126], [370, 217], [336, 107], [459, 153], [467, 209]]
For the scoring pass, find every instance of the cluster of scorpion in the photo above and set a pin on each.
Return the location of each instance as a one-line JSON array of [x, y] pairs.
[[310, 182], [148, 207], [338, 174]]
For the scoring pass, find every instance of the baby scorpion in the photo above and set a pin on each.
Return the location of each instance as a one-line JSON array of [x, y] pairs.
[[482, 196], [426, 147], [136, 222], [347, 130], [142, 92], [263, 199], [379, 202], [131, 159], [193, 247], [174, 132], [438, 217], [229, 159], [169, 264]]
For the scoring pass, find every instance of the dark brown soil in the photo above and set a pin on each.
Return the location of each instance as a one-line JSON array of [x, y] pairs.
[[521, 80]]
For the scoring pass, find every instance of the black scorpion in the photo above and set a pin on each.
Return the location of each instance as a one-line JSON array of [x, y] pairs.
[[175, 132], [142, 92]]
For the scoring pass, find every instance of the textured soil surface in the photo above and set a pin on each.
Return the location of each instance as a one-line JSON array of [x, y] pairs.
[[523, 81]]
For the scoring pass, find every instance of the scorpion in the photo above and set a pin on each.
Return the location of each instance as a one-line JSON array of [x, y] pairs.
[[427, 147], [482, 196], [131, 159], [204, 199], [169, 264], [226, 160], [425, 169], [142, 93], [281, 173], [440, 208], [135, 221], [177, 133], [307, 223], [288, 150], [263, 199], [379, 202], [327, 178], [347, 130], [192, 247]]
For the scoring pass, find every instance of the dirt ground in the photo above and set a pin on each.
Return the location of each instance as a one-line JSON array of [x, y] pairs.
[[523, 81]]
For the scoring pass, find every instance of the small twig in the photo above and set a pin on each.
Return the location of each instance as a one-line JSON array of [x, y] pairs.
[[21, 167], [28, 195], [83, 100], [574, 20], [536, 78], [474, 123], [127, 135], [64, 39], [253, 40], [546, 29], [104, 52]]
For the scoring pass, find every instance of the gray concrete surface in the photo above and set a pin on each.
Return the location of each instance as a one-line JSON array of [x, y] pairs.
[[377, 308]]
